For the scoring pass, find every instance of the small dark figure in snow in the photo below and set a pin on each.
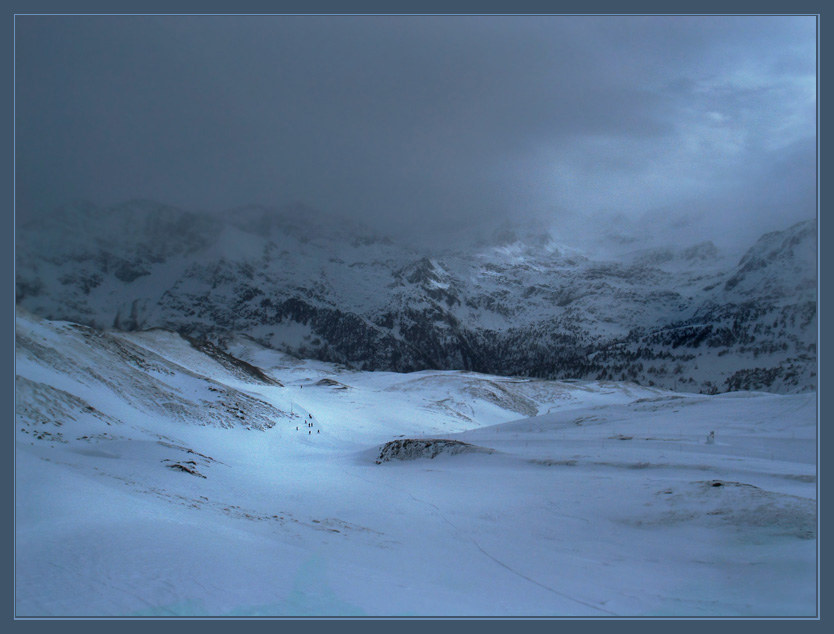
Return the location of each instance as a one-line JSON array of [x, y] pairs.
[[296, 428], [318, 431], [309, 432], [309, 415]]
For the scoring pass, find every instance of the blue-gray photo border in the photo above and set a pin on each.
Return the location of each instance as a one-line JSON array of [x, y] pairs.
[[354, 7]]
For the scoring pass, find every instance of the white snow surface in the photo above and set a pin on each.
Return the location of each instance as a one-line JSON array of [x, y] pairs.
[[156, 479]]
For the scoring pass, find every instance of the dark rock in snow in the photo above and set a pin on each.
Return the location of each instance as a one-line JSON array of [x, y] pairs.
[[412, 449], [180, 467]]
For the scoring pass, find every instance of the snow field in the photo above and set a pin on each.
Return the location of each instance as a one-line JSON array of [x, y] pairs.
[[608, 502]]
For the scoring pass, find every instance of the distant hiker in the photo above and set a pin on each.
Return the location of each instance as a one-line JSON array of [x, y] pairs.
[[711, 438], [318, 431], [309, 432], [309, 415], [296, 428]]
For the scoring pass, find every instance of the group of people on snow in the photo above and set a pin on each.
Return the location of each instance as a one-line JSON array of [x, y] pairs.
[[309, 425]]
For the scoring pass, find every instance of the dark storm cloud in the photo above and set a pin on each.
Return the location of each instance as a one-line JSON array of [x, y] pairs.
[[431, 122]]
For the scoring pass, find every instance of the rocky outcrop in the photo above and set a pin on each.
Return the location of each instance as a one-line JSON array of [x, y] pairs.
[[414, 449]]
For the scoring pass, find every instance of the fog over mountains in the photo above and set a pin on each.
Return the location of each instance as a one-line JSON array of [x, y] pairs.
[[522, 302]]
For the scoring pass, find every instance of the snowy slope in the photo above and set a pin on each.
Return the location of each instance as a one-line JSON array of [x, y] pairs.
[[159, 476], [523, 303]]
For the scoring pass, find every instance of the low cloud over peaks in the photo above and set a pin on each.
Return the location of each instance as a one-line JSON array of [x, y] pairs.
[[424, 124]]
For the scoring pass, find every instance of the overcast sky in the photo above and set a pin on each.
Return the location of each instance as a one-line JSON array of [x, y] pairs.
[[695, 125]]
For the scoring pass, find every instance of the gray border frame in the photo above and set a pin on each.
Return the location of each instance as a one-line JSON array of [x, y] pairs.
[[261, 7]]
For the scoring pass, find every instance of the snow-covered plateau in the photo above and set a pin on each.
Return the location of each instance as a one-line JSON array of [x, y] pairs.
[[158, 474]]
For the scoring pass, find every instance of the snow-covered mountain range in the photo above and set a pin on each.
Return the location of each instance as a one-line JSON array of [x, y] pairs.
[[520, 304]]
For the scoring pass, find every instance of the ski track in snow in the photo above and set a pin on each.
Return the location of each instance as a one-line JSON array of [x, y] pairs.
[[480, 548], [510, 568]]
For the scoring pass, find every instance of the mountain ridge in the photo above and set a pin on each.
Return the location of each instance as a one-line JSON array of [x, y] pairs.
[[303, 283]]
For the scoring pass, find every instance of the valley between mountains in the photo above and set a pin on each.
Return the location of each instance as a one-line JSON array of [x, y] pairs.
[[266, 414]]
